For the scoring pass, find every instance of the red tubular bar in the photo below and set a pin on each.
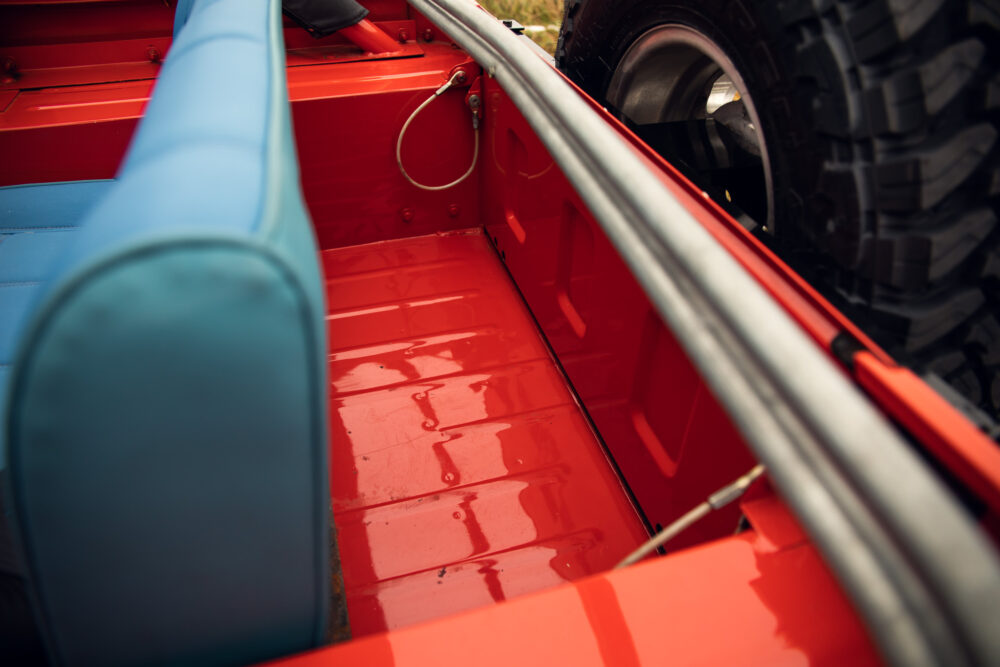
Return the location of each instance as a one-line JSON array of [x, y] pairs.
[[370, 37]]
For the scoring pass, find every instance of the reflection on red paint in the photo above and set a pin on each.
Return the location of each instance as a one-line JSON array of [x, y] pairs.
[[463, 472], [763, 597], [668, 435]]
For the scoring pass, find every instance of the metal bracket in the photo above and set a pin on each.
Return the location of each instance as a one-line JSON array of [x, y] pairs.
[[514, 26], [474, 99]]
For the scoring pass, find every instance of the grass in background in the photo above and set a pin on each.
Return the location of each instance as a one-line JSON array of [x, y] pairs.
[[545, 13]]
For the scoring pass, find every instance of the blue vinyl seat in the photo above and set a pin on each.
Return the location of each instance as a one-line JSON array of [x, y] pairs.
[[36, 224], [163, 374]]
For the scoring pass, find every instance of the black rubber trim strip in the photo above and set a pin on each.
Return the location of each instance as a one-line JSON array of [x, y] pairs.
[[324, 17], [844, 346], [913, 562]]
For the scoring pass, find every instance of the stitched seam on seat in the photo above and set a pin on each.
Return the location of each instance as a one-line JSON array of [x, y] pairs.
[[42, 186], [18, 230], [269, 202]]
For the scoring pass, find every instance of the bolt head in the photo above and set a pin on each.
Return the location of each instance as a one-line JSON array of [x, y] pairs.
[[8, 71], [403, 36], [428, 35]]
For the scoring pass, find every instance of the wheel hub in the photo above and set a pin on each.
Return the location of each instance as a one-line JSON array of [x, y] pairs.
[[682, 94]]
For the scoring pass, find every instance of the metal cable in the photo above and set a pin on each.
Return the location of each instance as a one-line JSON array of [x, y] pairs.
[[720, 498], [399, 142]]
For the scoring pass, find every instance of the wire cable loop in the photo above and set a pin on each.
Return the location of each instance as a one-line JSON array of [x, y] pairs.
[[475, 150]]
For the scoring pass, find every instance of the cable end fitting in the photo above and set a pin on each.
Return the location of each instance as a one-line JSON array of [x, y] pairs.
[[731, 492]]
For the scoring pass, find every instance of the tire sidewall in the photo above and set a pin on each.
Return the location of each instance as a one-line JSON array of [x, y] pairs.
[[613, 27]]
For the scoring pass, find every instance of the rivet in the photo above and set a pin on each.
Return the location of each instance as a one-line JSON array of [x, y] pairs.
[[8, 71], [454, 210], [406, 214]]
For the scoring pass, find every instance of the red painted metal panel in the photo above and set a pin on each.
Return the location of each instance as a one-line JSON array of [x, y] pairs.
[[760, 598], [371, 38], [666, 432], [350, 179], [365, 41], [347, 118], [949, 436], [123, 60], [78, 23], [6, 97], [69, 134], [933, 422], [462, 470], [76, 107]]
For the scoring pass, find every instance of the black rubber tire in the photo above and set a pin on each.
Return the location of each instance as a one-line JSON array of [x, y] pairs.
[[881, 119]]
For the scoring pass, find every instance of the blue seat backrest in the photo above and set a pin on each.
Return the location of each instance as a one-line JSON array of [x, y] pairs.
[[165, 430], [181, 14]]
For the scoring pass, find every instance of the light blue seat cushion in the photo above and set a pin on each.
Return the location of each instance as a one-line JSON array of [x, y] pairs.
[[37, 223], [47, 205], [181, 14], [166, 401]]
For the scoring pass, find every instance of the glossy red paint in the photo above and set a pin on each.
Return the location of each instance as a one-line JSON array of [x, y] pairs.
[[350, 179], [74, 44], [88, 127], [950, 437], [463, 473], [83, 27], [61, 104], [6, 97], [347, 118], [370, 38], [365, 41], [763, 597], [937, 426], [500, 483], [123, 60], [665, 430]]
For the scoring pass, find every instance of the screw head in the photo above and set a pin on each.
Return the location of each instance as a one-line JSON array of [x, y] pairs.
[[461, 77], [8, 71], [474, 102]]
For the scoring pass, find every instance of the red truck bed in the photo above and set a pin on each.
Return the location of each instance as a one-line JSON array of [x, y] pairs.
[[509, 407], [437, 368]]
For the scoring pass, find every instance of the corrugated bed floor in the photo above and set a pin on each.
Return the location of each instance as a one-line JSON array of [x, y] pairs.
[[462, 470]]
